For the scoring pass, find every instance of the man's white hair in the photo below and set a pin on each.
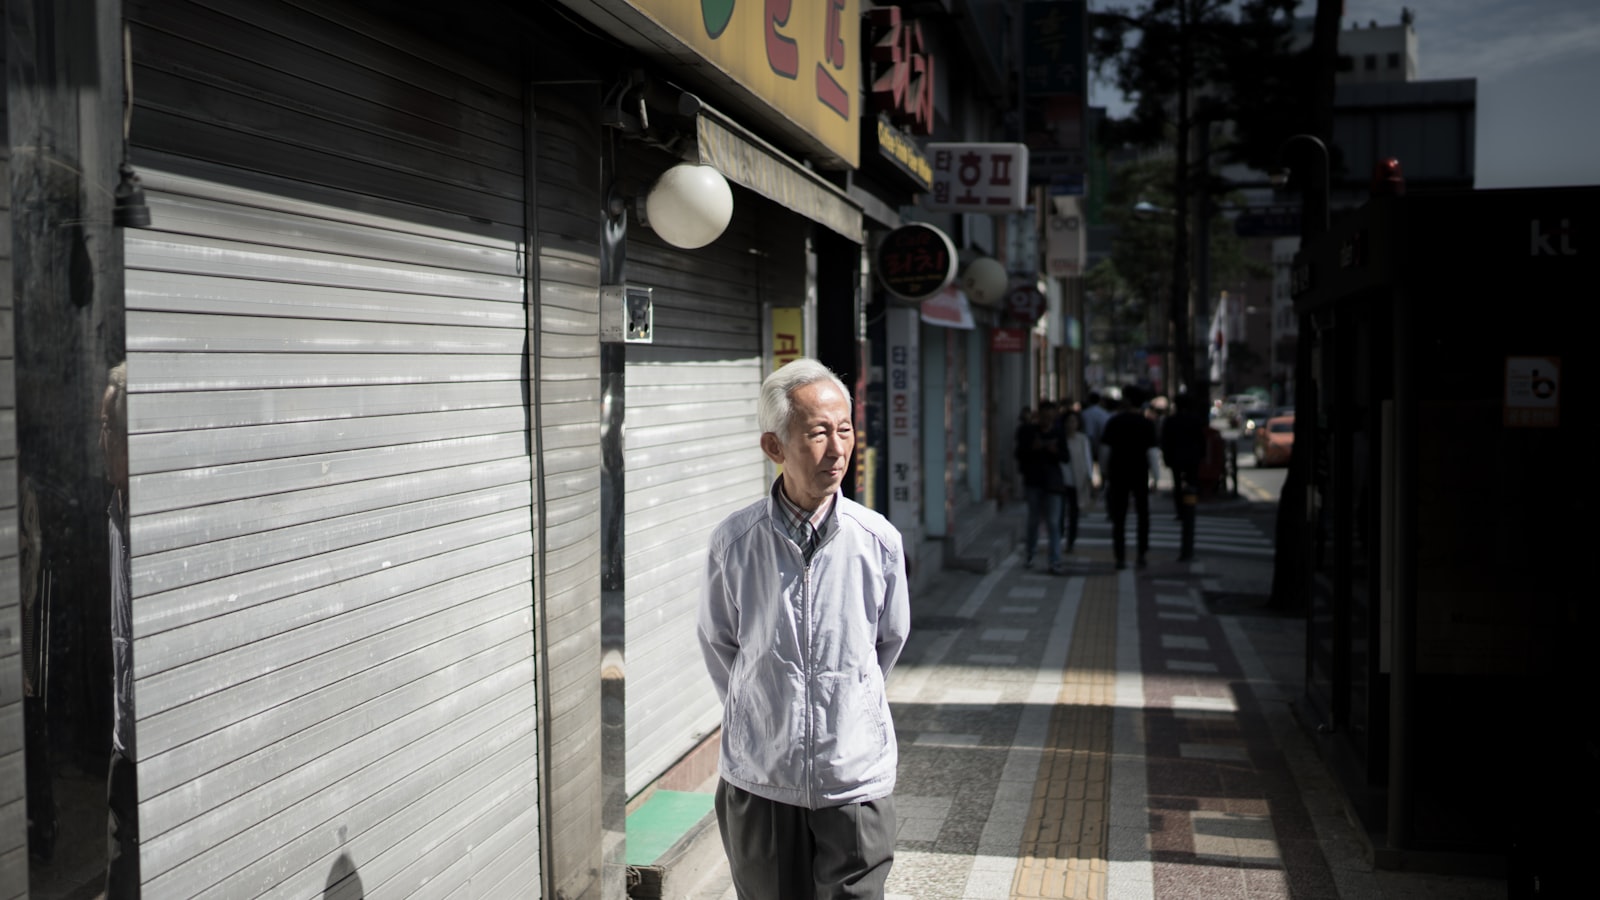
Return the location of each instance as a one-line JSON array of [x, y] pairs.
[[774, 409]]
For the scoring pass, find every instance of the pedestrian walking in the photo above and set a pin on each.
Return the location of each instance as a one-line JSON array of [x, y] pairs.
[[1183, 446], [1041, 481], [1078, 487], [1156, 411], [1019, 449], [1124, 457], [805, 614], [1096, 412]]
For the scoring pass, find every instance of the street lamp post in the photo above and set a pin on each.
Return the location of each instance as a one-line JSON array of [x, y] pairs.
[[1314, 208]]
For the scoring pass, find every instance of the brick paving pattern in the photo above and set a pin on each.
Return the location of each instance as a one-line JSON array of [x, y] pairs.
[[1063, 852]]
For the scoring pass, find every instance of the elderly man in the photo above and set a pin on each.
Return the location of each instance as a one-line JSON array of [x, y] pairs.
[[805, 613]]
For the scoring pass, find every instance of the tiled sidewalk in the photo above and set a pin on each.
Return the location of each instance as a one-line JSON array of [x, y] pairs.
[[1106, 736], [1226, 820]]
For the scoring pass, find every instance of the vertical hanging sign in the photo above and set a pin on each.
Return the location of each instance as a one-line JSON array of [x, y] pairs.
[[905, 451], [1054, 87]]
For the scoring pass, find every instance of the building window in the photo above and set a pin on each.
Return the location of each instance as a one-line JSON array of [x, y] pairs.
[[1394, 60], [1370, 62]]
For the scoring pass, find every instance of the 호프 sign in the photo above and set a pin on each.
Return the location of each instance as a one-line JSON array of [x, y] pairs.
[[978, 178]]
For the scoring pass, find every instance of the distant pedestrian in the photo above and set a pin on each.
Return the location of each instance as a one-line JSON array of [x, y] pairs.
[[805, 613], [1183, 445], [1075, 474], [1019, 450], [1096, 412], [1156, 412], [1041, 480], [1124, 458]]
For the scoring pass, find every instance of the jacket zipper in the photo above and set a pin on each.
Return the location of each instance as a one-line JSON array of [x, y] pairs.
[[810, 743]]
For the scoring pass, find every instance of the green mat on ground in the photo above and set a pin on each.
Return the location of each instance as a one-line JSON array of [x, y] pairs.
[[668, 815]]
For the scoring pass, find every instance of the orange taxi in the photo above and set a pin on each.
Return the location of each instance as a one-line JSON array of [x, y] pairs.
[[1275, 441]]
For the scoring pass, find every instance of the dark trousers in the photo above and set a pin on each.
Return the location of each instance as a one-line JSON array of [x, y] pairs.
[[1044, 508], [1186, 495], [41, 788], [1069, 516], [1117, 504], [122, 830], [782, 852]]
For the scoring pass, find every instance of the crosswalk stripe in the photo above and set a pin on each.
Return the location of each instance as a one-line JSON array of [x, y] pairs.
[[1226, 535]]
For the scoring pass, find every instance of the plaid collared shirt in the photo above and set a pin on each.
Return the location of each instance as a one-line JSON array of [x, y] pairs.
[[807, 529]]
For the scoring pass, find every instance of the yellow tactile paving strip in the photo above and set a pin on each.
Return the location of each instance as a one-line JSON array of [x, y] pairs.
[[1064, 843]]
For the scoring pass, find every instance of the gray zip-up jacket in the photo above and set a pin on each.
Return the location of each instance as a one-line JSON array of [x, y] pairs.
[[799, 653]]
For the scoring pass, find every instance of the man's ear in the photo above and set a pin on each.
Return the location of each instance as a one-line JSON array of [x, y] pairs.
[[772, 447]]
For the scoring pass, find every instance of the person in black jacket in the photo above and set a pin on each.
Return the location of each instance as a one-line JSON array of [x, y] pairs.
[[1041, 480], [1124, 457], [1183, 446]]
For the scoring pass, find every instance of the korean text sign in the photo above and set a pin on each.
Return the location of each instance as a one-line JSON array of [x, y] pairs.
[[801, 57], [905, 431], [978, 178]]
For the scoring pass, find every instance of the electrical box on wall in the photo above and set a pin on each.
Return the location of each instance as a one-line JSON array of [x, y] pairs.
[[626, 314]]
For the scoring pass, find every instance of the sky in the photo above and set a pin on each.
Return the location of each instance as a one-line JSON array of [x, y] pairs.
[[1537, 63]]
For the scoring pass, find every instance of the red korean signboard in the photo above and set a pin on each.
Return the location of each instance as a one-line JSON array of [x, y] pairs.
[[916, 261], [1008, 340], [902, 71]]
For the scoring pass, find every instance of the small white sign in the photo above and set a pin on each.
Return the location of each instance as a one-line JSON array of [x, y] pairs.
[[978, 178], [1065, 241], [1533, 392]]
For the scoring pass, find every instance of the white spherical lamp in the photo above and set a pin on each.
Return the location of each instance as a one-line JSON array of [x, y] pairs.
[[985, 280], [689, 206]]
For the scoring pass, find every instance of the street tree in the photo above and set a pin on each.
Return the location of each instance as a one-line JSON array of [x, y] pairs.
[[1187, 65], [1139, 204], [1187, 61]]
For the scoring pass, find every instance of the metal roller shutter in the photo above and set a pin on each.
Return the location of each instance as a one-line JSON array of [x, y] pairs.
[[331, 496], [13, 807], [692, 455]]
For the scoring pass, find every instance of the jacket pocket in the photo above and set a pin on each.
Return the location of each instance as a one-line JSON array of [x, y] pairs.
[[763, 722], [854, 740]]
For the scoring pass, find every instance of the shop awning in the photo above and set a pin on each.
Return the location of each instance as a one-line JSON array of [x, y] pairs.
[[948, 308], [750, 161]]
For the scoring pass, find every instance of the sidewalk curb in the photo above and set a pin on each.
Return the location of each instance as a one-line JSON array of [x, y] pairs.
[[686, 865]]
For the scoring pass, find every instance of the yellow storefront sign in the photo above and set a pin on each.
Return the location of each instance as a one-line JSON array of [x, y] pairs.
[[788, 335], [801, 57]]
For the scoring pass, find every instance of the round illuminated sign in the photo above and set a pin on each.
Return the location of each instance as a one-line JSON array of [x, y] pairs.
[[916, 261]]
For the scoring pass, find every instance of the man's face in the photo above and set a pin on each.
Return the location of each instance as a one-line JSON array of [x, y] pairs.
[[815, 449]]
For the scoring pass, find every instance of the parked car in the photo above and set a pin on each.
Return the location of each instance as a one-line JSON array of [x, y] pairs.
[[1256, 417], [1275, 441]]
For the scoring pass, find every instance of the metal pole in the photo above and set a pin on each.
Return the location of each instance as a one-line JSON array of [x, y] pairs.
[[1178, 311], [1202, 252]]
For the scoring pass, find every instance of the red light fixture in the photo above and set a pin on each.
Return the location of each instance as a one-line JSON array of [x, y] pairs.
[[1387, 179]]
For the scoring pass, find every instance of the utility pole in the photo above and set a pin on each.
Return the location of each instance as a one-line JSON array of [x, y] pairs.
[[1289, 576], [1202, 256]]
